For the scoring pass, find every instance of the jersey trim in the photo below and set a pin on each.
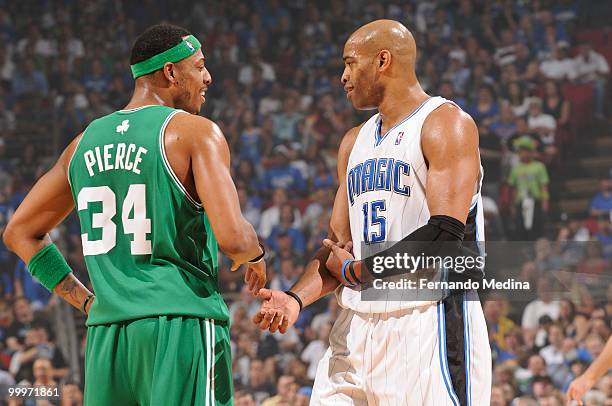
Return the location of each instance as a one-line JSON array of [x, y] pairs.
[[137, 108], [74, 153], [162, 148], [378, 139]]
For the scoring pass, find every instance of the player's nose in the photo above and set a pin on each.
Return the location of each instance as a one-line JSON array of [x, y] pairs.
[[207, 77], [345, 76]]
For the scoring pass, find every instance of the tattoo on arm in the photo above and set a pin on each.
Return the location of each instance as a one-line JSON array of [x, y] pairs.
[[72, 290]]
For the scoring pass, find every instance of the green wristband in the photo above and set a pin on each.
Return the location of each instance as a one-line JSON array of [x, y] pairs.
[[49, 266]]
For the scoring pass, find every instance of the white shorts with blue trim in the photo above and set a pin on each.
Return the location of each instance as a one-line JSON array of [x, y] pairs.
[[436, 354]]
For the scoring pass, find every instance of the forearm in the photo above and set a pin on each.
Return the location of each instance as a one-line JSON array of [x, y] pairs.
[[240, 246], [602, 363], [316, 281], [72, 291]]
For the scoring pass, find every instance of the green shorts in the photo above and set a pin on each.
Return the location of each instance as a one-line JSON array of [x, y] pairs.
[[166, 360]]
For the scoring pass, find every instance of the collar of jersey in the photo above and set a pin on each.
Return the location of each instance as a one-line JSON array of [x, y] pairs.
[[137, 108], [378, 139]]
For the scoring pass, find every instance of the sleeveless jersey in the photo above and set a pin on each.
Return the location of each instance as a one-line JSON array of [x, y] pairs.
[[386, 182], [148, 245]]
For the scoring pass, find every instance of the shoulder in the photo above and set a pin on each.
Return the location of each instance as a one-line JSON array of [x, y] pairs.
[[66, 156], [193, 130], [448, 125], [348, 140]]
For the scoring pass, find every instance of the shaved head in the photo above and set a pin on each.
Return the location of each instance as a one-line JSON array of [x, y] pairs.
[[377, 56], [382, 35]]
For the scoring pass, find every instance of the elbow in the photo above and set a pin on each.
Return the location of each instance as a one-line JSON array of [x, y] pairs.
[[9, 236]]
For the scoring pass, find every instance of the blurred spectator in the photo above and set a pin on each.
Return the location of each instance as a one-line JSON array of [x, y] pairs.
[[271, 216], [26, 286], [601, 204], [286, 390], [289, 272], [29, 81], [558, 66], [315, 350], [23, 322], [542, 124], [529, 180], [544, 305], [591, 67], [282, 174], [555, 105], [485, 110]]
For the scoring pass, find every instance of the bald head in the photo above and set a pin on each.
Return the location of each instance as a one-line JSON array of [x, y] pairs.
[[385, 35], [379, 61]]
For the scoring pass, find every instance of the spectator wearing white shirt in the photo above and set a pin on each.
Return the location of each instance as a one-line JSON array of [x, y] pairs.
[[542, 124], [314, 351], [591, 67], [559, 66], [544, 305], [554, 355]]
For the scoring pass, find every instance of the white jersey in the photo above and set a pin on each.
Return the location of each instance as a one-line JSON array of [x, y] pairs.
[[386, 183]]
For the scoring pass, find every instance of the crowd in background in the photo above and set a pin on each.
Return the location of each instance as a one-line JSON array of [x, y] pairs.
[[276, 94]]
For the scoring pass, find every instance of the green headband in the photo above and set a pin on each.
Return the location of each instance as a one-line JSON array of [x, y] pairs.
[[189, 46]]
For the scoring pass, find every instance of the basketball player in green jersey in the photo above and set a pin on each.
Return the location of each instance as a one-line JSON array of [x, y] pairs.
[[153, 191]]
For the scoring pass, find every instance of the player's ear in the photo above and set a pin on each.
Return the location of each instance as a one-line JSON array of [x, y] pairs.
[[384, 59], [169, 70]]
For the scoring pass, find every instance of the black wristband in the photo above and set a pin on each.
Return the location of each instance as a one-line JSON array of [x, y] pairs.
[[351, 268], [296, 297], [260, 257], [84, 305]]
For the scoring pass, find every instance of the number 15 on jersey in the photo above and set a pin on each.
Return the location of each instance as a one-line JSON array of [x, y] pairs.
[[374, 221]]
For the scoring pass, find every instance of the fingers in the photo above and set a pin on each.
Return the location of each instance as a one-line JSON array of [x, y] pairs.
[[250, 278], [349, 246], [260, 284], [265, 294], [258, 317], [265, 322], [276, 322], [284, 325]]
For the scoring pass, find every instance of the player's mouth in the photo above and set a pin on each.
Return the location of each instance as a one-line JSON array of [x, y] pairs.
[[203, 95], [348, 91]]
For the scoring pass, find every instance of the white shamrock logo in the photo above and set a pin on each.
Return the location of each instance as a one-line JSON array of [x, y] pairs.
[[123, 127]]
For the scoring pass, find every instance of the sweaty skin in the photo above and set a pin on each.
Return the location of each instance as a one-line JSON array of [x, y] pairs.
[[198, 154], [380, 74]]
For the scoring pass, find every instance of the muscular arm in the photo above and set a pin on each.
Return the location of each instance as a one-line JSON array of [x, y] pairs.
[[316, 281], [450, 146], [46, 206], [204, 144]]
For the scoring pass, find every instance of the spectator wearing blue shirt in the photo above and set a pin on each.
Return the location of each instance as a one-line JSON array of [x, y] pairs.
[[601, 204], [24, 285], [97, 80], [29, 81], [286, 228], [281, 174], [322, 178], [485, 110]]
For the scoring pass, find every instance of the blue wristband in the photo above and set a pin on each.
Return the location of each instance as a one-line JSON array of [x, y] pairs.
[[344, 266]]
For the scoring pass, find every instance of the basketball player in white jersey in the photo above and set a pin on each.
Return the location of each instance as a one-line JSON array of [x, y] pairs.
[[411, 172]]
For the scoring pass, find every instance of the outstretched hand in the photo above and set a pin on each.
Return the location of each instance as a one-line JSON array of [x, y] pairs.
[[279, 311]]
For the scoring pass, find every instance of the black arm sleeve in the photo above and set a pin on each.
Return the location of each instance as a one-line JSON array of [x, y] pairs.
[[442, 236]]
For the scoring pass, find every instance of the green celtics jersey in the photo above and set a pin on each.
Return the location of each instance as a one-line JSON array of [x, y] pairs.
[[148, 245]]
